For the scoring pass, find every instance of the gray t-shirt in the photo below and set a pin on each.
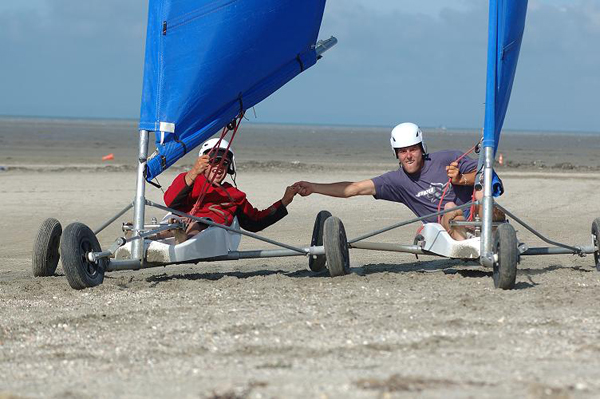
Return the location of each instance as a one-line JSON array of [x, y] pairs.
[[421, 191]]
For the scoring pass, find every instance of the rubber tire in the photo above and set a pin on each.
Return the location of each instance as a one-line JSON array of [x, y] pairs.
[[596, 235], [336, 247], [45, 254], [77, 241], [316, 263], [506, 247]]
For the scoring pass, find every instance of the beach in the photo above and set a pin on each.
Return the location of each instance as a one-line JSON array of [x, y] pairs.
[[396, 327]]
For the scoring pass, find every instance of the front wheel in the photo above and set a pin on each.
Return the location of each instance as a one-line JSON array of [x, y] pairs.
[[77, 241], [506, 248], [336, 247], [316, 263], [596, 237], [45, 248]]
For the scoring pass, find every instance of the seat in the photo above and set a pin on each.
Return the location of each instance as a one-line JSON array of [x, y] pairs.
[[437, 240], [210, 243]]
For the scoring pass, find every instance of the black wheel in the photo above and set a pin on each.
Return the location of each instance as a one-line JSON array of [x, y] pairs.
[[596, 236], [506, 247], [77, 241], [316, 263], [45, 248], [336, 247]]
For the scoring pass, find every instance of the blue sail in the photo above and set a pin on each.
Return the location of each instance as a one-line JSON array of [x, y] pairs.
[[506, 26], [208, 60]]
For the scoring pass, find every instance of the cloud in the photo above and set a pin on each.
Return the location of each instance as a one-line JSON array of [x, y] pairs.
[[398, 65], [559, 71], [73, 58], [396, 60], [395, 64]]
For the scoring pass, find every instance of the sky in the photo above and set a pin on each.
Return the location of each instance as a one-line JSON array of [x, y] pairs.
[[397, 60]]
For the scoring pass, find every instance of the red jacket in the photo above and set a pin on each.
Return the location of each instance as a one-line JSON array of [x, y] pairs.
[[221, 204]]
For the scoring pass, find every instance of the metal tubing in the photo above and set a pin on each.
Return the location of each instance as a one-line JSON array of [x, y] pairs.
[[379, 246], [558, 251], [115, 265], [324, 45], [541, 237], [419, 219], [109, 222], [270, 253], [488, 204], [94, 256], [473, 223], [160, 226], [209, 222], [137, 247], [486, 255]]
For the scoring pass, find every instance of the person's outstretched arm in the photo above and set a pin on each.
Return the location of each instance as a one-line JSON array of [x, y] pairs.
[[343, 189], [254, 220]]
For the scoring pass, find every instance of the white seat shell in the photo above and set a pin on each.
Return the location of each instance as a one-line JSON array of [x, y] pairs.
[[438, 241], [210, 243]]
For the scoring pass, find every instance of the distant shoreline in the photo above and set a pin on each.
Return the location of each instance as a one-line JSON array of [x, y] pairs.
[[63, 143], [468, 130]]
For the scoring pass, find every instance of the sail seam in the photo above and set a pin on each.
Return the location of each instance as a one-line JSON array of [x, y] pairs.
[[199, 13], [161, 39]]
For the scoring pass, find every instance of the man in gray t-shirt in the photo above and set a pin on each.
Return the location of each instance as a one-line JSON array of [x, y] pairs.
[[419, 182], [422, 191]]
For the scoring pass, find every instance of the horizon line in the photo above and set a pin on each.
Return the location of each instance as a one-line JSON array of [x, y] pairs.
[[335, 125]]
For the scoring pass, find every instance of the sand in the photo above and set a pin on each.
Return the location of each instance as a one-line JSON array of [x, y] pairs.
[[396, 327]]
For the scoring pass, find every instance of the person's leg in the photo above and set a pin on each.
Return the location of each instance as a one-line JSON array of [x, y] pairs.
[[458, 233], [497, 215], [193, 228]]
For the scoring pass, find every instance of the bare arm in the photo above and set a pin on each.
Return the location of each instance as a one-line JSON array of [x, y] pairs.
[[199, 167], [460, 179], [344, 189]]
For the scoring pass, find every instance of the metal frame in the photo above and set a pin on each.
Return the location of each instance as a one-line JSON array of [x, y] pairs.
[[141, 231]]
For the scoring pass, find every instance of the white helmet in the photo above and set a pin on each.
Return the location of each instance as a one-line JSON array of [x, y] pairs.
[[405, 135], [211, 143]]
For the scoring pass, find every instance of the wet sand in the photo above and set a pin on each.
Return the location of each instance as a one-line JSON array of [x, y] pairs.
[[397, 327]]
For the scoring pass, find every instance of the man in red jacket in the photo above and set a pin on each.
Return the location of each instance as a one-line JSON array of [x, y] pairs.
[[221, 201]]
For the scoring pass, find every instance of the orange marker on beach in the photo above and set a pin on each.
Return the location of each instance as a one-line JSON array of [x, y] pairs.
[[108, 157], [500, 159]]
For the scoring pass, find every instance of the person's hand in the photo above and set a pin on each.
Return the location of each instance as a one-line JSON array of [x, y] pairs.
[[198, 169], [454, 173], [304, 188], [288, 196]]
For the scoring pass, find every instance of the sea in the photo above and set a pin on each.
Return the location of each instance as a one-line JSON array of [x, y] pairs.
[[42, 142]]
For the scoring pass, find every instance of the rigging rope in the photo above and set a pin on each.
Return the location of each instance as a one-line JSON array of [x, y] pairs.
[[233, 125], [472, 208]]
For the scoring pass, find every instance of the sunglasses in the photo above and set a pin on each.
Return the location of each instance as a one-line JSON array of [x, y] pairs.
[[218, 160]]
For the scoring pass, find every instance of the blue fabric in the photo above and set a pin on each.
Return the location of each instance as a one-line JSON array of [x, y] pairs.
[[497, 185], [506, 26], [206, 60]]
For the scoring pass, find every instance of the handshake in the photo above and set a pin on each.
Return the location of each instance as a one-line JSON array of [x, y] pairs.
[[303, 188]]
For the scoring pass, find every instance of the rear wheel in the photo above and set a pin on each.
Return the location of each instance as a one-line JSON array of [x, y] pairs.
[[316, 263], [596, 237], [506, 247], [77, 241], [45, 248], [336, 247]]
